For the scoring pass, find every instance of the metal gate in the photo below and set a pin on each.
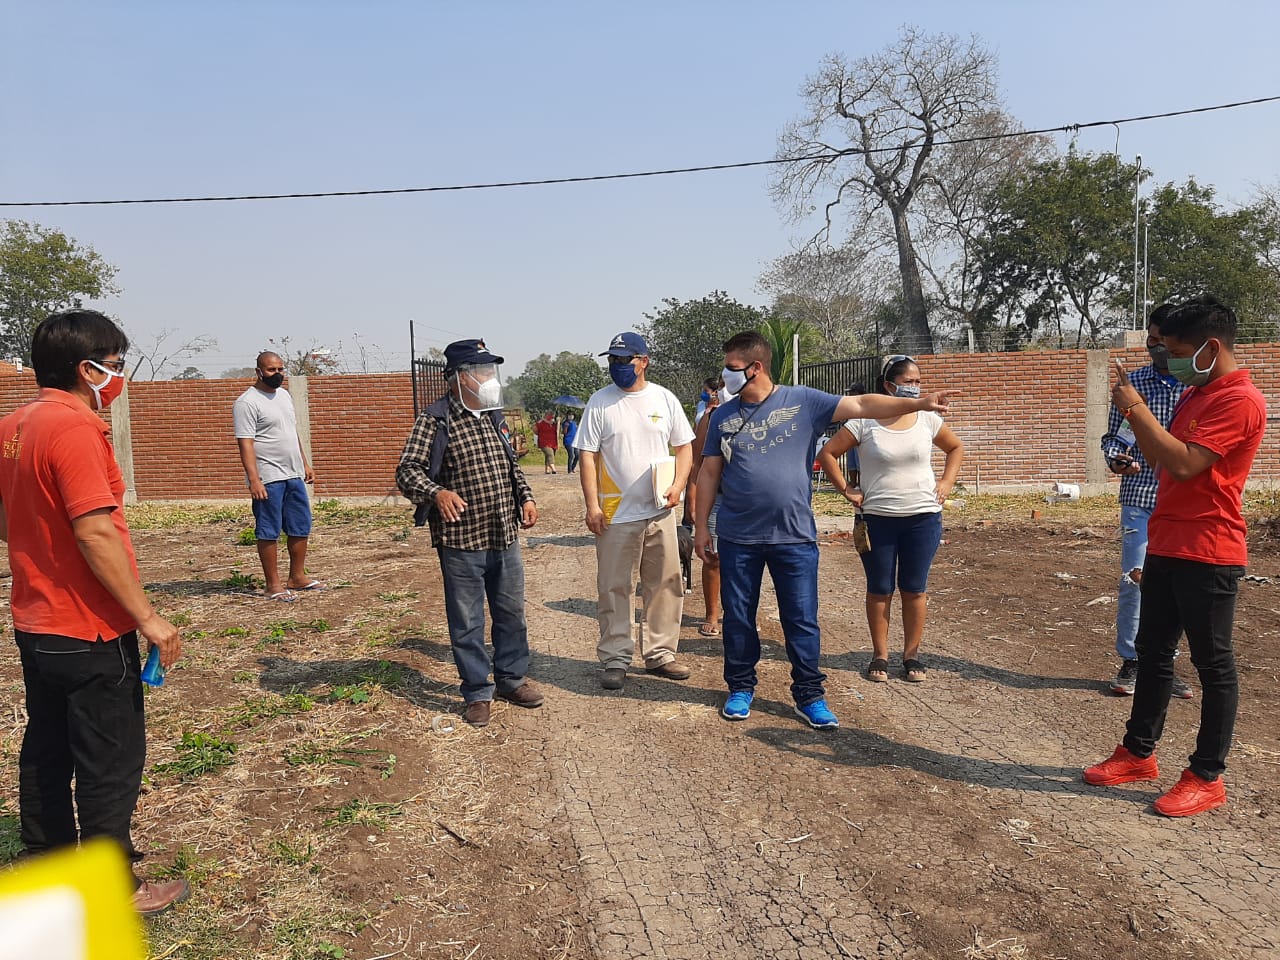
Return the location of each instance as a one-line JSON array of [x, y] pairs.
[[840, 376]]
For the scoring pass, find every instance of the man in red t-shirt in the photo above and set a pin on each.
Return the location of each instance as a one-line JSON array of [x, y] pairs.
[[1196, 551], [77, 604]]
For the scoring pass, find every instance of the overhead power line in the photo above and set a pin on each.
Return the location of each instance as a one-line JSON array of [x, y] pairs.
[[832, 155]]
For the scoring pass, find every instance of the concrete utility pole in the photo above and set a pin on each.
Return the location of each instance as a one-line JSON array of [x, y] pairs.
[[1137, 186]]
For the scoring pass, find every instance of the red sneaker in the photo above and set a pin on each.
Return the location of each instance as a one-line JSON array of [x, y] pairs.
[[1122, 767], [1192, 794]]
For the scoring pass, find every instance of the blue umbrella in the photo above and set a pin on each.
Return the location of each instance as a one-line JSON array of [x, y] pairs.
[[568, 400]]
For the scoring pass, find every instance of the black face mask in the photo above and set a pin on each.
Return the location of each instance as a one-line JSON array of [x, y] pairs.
[[1159, 357], [272, 382]]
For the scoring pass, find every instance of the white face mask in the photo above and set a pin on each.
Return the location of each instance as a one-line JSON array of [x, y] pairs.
[[910, 390], [734, 380], [488, 392]]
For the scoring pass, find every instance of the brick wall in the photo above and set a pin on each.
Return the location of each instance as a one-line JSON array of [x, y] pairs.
[[1018, 414], [184, 447], [358, 428], [1022, 417]]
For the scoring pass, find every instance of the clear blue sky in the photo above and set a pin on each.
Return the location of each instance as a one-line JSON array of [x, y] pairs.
[[139, 99]]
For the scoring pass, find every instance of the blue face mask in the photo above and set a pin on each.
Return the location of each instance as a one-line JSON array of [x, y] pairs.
[[623, 374]]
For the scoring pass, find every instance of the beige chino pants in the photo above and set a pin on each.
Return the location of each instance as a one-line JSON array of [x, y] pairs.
[[647, 550]]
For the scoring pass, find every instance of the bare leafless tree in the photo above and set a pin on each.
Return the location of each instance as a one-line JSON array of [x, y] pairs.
[[954, 204], [162, 349], [315, 360], [871, 135], [834, 289]]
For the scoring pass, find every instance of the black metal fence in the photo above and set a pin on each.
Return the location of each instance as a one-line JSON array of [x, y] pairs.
[[841, 376], [428, 382]]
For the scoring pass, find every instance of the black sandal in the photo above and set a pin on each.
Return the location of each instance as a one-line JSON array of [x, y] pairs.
[[913, 666], [878, 665]]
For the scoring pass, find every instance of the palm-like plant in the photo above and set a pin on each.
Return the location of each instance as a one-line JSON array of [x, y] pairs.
[[781, 334]]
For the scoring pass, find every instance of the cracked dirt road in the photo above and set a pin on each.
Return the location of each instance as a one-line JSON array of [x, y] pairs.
[[943, 820], [941, 816]]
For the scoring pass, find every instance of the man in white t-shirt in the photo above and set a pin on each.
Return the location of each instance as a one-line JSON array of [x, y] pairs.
[[626, 429], [277, 472]]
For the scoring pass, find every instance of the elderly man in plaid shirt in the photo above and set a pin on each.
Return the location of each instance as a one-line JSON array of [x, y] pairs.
[[459, 461], [1138, 483]]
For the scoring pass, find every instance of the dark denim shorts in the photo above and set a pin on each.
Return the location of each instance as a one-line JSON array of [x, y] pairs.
[[902, 550], [286, 507]]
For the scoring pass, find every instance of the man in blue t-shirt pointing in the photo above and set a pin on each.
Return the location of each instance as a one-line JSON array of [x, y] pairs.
[[758, 454]]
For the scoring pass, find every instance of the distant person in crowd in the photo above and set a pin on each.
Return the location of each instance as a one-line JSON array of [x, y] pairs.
[[546, 431], [852, 467], [1161, 391], [629, 429], [277, 473], [758, 453], [902, 503], [1196, 549], [569, 433], [459, 461], [77, 604], [710, 626], [711, 387]]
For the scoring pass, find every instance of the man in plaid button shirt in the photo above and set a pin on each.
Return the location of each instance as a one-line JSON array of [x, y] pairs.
[[479, 500], [1138, 485]]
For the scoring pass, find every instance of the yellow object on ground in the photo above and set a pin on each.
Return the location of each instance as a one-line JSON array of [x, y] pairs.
[[70, 905]]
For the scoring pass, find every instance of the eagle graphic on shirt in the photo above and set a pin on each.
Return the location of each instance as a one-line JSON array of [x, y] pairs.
[[759, 431]]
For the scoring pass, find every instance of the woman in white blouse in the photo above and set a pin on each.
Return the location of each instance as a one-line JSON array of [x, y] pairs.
[[902, 502]]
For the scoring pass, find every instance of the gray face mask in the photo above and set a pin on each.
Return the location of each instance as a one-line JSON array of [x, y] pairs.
[[908, 390], [1159, 357]]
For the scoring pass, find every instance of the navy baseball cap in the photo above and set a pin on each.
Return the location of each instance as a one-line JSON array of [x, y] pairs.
[[462, 353], [627, 345]]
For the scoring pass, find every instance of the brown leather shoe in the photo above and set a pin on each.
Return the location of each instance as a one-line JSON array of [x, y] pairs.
[[613, 678], [477, 714], [525, 695], [158, 896], [671, 670]]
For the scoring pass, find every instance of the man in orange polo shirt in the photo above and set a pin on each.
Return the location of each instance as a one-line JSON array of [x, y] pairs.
[[1196, 550], [77, 603]]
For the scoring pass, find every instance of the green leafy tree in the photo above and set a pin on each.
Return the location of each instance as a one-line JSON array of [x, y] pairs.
[[43, 270], [1057, 251], [545, 377], [1193, 246], [686, 339]]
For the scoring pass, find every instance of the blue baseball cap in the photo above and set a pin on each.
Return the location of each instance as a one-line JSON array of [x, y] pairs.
[[627, 345], [462, 353]]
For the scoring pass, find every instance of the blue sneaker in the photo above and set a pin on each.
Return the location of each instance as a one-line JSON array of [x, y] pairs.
[[817, 714], [738, 706]]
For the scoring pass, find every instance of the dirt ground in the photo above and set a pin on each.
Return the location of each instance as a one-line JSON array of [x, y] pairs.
[[328, 803]]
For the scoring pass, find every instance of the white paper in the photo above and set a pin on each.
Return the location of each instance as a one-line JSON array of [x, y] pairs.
[[663, 474]]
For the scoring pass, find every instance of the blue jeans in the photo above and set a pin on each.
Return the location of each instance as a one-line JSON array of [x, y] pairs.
[[573, 457], [469, 577], [1133, 555], [794, 570]]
